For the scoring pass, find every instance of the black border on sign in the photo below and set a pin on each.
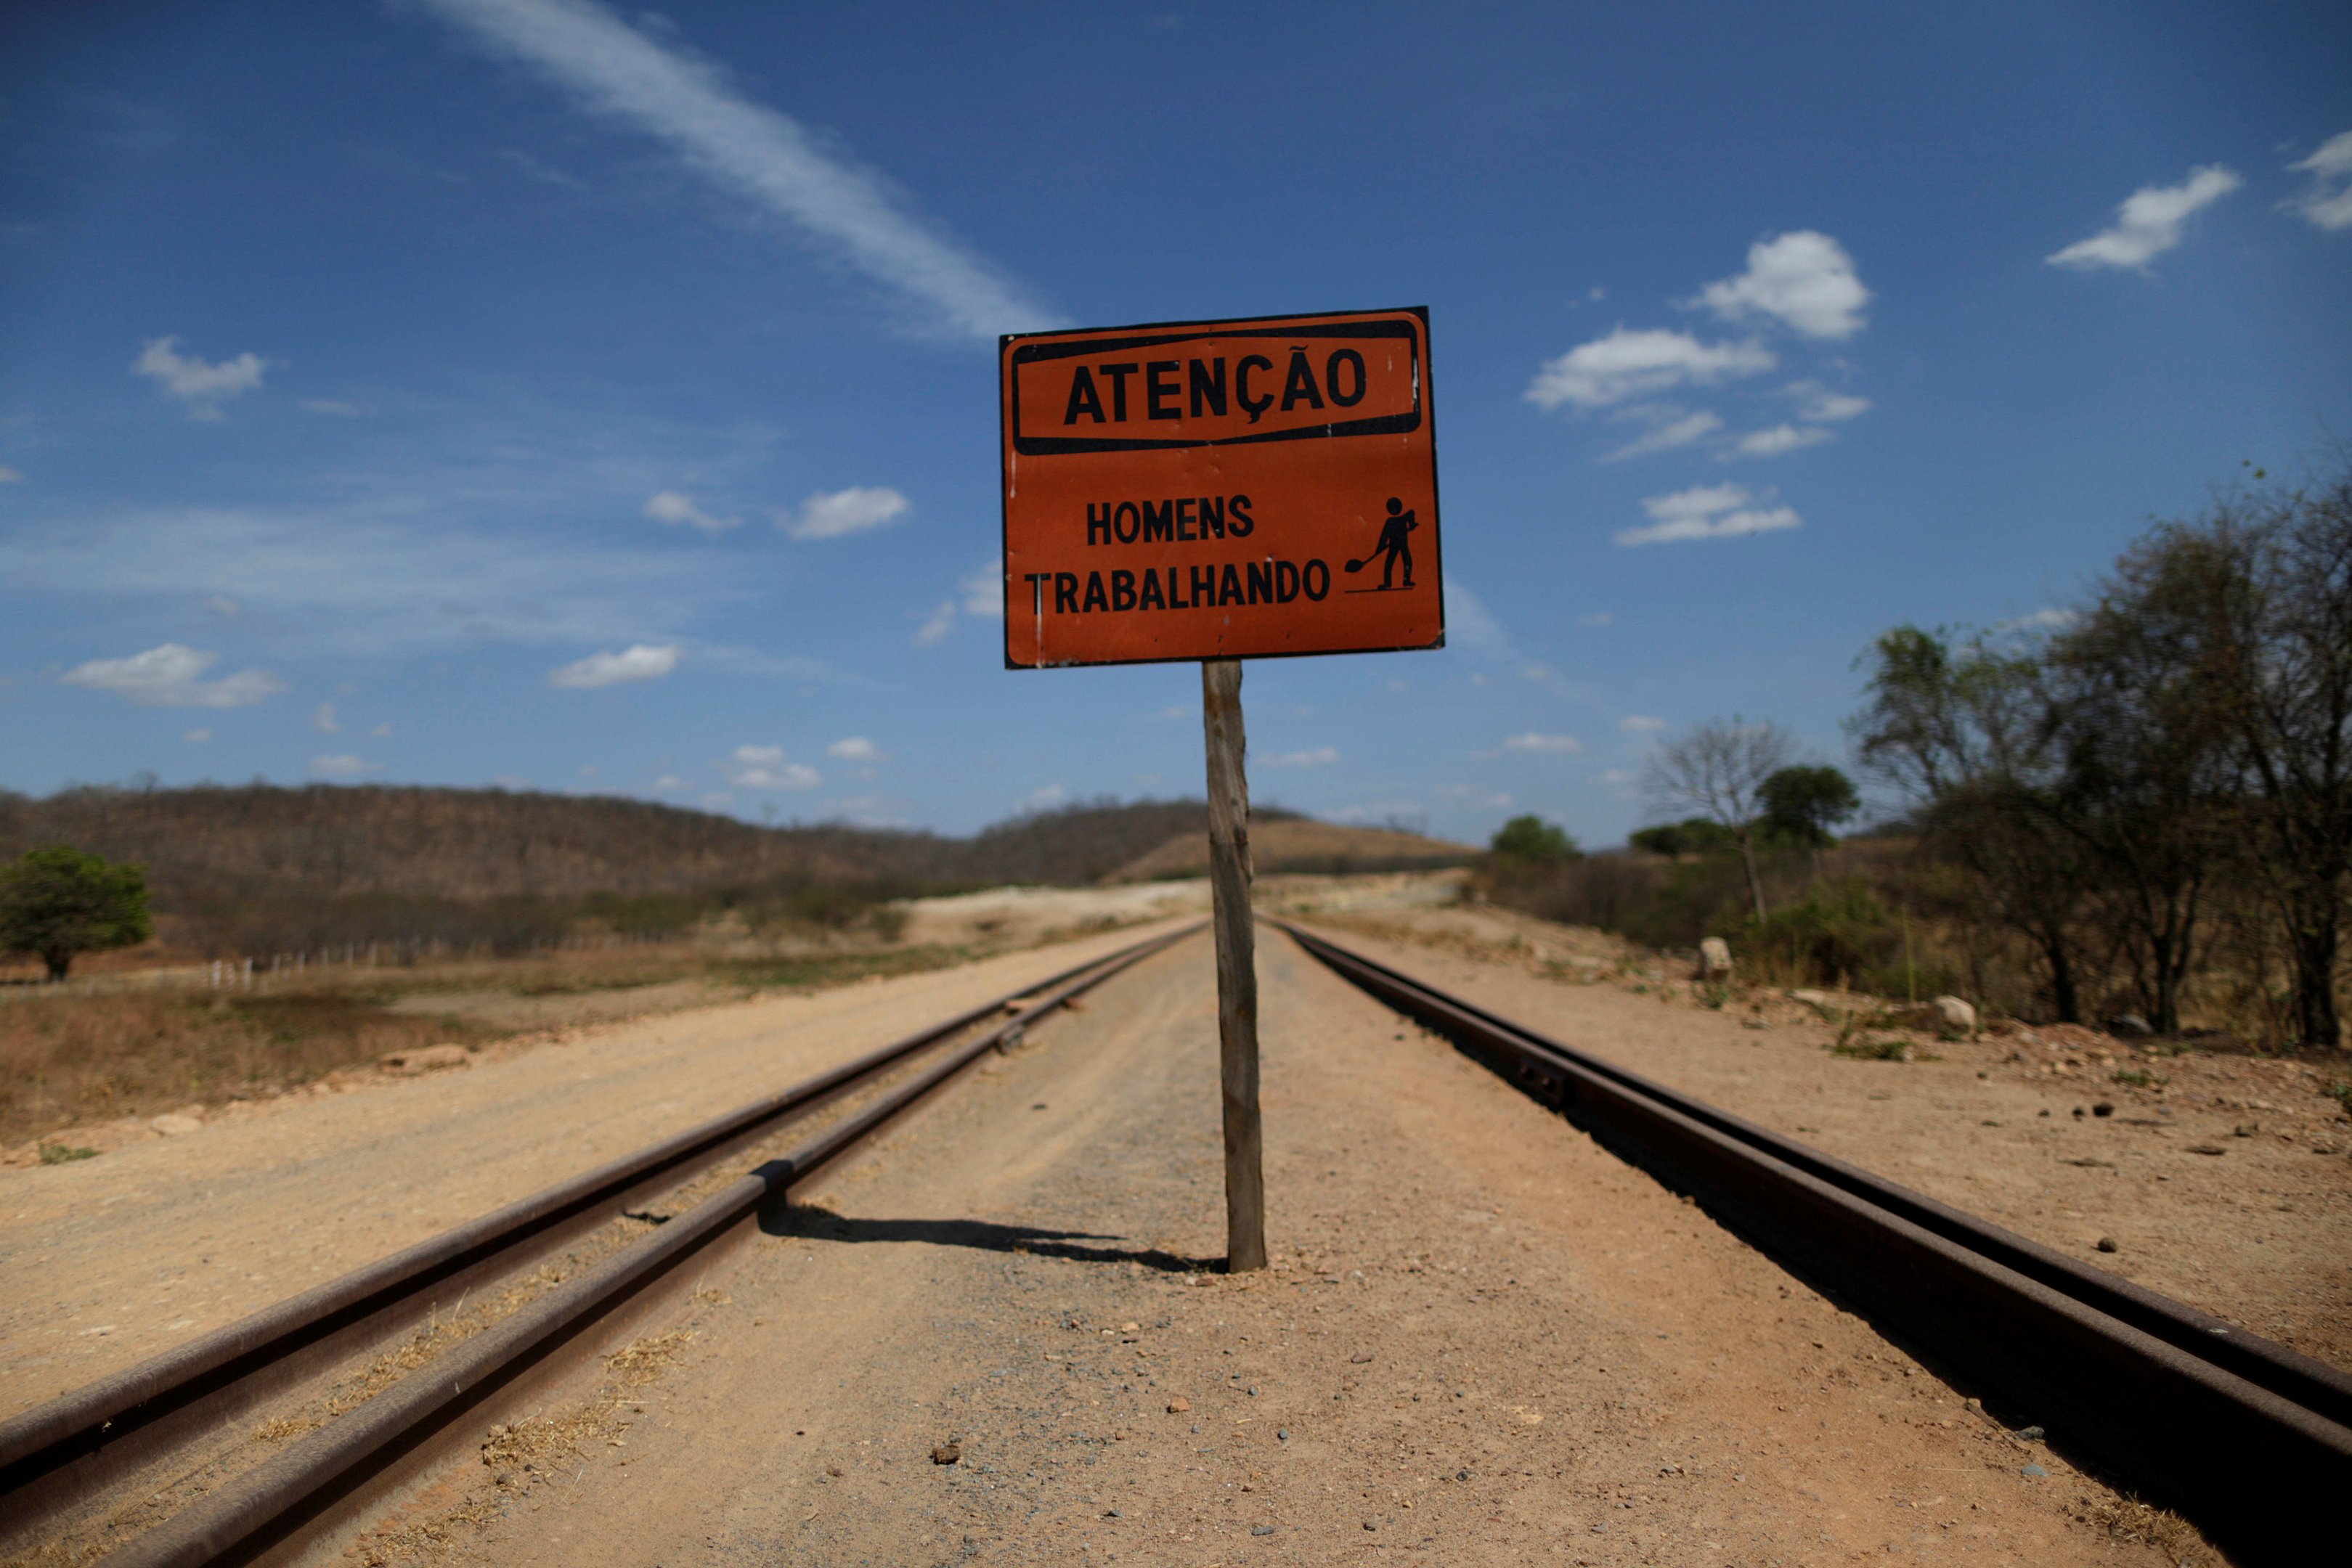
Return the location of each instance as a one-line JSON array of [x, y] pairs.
[[1064, 445], [1427, 411]]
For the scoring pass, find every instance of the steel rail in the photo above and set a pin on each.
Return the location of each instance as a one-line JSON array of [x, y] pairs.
[[2245, 1437], [59, 1454]]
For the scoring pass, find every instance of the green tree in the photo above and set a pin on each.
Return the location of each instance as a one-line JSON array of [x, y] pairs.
[[1802, 804], [1966, 733], [1530, 841], [1691, 836], [57, 902]]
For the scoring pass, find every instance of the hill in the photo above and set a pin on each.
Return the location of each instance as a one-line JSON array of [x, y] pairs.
[[260, 868]]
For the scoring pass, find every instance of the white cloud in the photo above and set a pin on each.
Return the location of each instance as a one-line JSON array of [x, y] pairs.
[[1707, 512], [766, 767], [2148, 223], [1619, 777], [641, 662], [222, 605], [197, 736], [342, 765], [323, 720], [678, 510], [590, 770], [382, 732], [1805, 279], [1778, 439], [831, 514], [1049, 795], [691, 105], [855, 748], [1469, 625], [2328, 204], [936, 625], [1671, 428], [168, 676], [979, 594], [9, 475], [1640, 723], [202, 386], [983, 590], [671, 781], [1822, 406], [1532, 741], [2039, 621], [1598, 618], [1315, 757], [333, 408], [1628, 364]]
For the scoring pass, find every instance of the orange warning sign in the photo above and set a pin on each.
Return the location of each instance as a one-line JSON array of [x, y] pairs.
[[1219, 490]]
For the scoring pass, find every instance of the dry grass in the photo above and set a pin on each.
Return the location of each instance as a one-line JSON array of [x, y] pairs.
[[74, 1059], [77, 1059]]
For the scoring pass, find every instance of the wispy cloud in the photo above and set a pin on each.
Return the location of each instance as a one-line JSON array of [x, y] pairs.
[[979, 594], [322, 719], [1627, 364], [1670, 428], [1820, 404], [642, 662], [1778, 439], [1314, 756], [200, 386], [830, 515], [1640, 723], [2150, 222], [767, 768], [197, 736], [758, 153], [1533, 741], [342, 765], [678, 509], [369, 575], [9, 475], [1804, 280], [1708, 512], [2327, 204], [855, 749], [169, 675]]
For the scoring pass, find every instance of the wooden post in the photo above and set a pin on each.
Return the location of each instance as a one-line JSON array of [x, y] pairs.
[[1229, 885]]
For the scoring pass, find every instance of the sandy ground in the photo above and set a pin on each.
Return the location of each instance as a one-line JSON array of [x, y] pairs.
[[2223, 1181], [999, 915], [1485, 1340], [104, 1262]]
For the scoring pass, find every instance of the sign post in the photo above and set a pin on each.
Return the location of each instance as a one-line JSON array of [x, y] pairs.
[[1211, 491]]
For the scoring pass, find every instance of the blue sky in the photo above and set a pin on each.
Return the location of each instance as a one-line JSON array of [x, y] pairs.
[[460, 391]]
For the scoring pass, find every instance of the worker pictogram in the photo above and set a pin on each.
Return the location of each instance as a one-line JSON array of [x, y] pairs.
[[1393, 547]]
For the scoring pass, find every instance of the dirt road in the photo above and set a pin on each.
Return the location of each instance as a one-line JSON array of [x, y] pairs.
[[1485, 1340]]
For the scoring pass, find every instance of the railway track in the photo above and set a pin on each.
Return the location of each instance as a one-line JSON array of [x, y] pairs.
[[69, 1468], [2250, 1440]]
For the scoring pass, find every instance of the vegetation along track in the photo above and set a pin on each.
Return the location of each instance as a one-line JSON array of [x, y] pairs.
[[57, 1459], [2247, 1437]]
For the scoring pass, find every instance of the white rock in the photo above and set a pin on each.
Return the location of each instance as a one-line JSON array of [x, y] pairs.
[[1944, 1015], [1714, 959], [175, 1123]]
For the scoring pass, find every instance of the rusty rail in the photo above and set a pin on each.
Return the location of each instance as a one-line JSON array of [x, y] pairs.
[[60, 1454], [2247, 1438]]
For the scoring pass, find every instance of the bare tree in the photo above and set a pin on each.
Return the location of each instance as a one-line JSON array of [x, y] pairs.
[[1718, 770]]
